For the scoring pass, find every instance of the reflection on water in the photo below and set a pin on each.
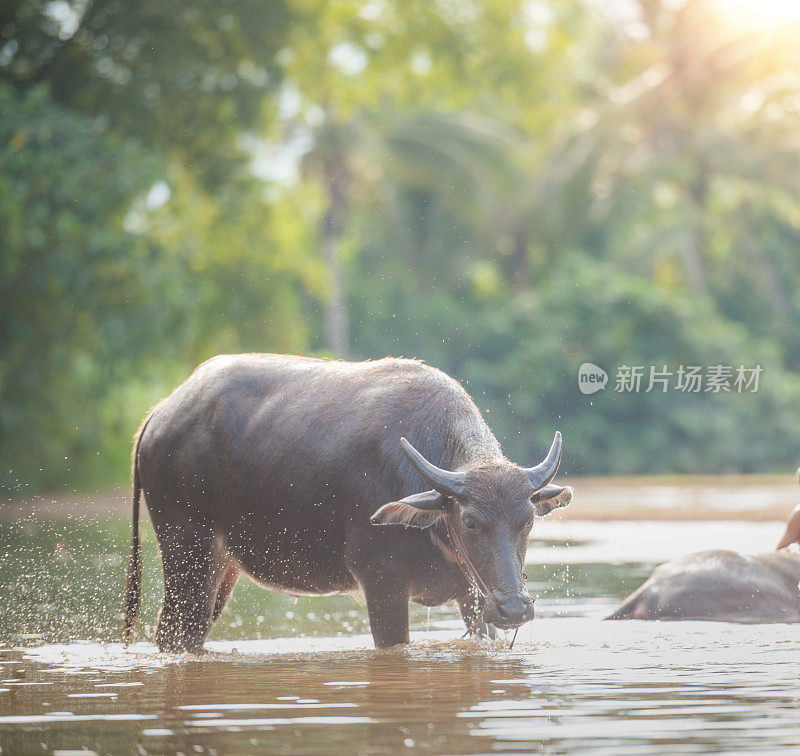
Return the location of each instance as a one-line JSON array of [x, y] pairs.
[[314, 684], [570, 685]]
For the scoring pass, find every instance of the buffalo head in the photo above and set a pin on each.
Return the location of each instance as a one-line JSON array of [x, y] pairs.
[[488, 509]]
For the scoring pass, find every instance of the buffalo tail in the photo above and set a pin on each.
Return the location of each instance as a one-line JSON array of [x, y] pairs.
[[133, 577]]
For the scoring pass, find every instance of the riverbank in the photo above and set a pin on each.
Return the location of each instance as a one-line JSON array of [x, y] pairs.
[[687, 497]]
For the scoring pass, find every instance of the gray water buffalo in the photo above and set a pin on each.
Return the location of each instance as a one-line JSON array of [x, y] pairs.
[[297, 472], [724, 586]]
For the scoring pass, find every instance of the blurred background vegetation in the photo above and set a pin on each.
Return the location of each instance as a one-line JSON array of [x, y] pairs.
[[503, 188]]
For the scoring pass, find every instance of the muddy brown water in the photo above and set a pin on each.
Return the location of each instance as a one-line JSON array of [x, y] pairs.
[[572, 683], [576, 685]]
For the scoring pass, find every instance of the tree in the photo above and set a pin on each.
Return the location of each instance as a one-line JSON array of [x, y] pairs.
[[71, 302], [183, 78]]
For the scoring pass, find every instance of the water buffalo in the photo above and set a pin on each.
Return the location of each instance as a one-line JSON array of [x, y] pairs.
[[724, 586], [297, 472]]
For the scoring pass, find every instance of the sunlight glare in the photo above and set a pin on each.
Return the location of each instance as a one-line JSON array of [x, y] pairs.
[[763, 14]]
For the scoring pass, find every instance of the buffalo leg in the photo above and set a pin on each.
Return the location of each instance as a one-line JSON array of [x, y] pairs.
[[387, 607], [191, 579], [230, 574]]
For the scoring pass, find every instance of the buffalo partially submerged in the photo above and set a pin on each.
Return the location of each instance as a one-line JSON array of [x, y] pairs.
[[724, 586], [297, 472]]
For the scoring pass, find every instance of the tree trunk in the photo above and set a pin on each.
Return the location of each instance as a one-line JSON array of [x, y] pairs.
[[336, 330], [694, 255]]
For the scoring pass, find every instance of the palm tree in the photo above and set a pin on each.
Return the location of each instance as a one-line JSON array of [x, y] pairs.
[[372, 159]]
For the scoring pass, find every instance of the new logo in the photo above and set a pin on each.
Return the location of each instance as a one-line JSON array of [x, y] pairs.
[[591, 378]]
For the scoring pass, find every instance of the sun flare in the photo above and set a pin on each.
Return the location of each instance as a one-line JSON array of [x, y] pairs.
[[760, 14]]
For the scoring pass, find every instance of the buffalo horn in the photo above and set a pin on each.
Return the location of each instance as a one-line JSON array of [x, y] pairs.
[[444, 481], [546, 470]]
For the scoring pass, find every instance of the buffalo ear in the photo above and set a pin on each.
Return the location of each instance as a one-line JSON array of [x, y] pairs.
[[551, 497], [416, 511]]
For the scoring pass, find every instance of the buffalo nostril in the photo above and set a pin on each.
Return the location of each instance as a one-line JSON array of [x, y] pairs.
[[513, 608]]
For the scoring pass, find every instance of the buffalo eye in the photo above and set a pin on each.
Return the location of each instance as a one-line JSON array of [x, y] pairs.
[[526, 525], [469, 523]]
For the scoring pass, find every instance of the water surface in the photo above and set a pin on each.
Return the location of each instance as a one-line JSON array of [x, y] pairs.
[[569, 685], [302, 677]]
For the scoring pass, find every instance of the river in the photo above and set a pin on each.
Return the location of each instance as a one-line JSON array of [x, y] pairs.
[[286, 676]]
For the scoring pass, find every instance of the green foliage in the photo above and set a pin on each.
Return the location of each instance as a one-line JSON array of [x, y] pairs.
[[504, 189], [71, 301], [181, 77]]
